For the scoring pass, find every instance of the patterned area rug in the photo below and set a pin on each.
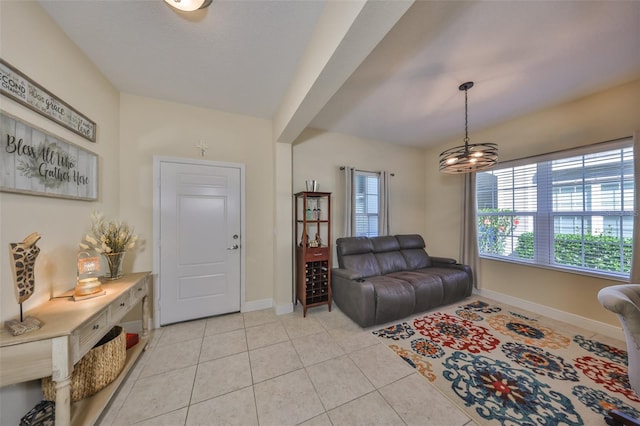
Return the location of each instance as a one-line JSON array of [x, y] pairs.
[[503, 367]]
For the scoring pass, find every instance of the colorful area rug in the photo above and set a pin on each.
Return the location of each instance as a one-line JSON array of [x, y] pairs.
[[504, 367]]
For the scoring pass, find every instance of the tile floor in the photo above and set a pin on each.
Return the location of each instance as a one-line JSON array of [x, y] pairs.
[[258, 368]]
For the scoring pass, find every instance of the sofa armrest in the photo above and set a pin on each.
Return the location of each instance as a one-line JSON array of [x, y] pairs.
[[445, 260], [354, 297], [347, 274]]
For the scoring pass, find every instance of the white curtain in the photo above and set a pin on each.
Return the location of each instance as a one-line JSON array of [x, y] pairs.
[[349, 213], [469, 241], [635, 262], [383, 219]]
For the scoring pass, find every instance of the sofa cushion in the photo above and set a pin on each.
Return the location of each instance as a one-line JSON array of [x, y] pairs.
[[391, 261], [412, 249], [456, 283], [353, 245], [356, 254], [385, 243], [394, 298], [387, 252], [416, 259], [365, 265], [410, 241], [428, 288]]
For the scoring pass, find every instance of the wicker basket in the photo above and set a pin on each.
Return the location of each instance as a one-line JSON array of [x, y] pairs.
[[99, 367]]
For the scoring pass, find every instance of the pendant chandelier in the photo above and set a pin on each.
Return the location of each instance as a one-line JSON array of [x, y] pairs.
[[188, 5], [468, 157]]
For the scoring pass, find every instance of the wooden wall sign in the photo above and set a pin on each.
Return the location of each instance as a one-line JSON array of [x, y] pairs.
[[20, 88], [35, 162]]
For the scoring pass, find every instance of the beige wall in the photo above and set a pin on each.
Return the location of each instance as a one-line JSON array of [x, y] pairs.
[[46, 55], [283, 231], [31, 42], [608, 115], [150, 127], [319, 155]]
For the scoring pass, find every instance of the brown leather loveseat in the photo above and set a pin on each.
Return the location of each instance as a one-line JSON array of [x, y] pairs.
[[383, 279]]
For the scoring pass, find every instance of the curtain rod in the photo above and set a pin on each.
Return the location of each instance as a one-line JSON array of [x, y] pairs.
[[366, 171]]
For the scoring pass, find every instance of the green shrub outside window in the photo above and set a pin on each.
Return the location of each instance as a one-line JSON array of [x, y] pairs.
[[600, 252]]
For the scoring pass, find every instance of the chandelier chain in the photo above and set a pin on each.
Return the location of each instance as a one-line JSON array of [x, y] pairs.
[[466, 119]]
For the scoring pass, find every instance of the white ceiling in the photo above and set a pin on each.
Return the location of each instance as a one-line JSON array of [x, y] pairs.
[[243, 56]]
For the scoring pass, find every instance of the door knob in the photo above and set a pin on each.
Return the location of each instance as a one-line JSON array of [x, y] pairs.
[[233, 247]]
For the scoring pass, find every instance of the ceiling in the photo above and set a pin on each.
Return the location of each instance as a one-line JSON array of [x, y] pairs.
[[392, 74]]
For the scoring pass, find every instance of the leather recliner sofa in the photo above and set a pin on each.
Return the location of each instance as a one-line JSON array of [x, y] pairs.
[[383, 279]]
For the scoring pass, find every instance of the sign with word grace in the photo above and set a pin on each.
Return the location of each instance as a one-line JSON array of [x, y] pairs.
[[35, 162], [20, 88]]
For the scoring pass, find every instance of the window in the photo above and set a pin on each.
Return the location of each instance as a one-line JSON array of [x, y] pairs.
[[366, 203], [570, 210]]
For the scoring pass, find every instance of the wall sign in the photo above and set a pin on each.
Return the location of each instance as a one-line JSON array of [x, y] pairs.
[[19, 87], [35, 162]]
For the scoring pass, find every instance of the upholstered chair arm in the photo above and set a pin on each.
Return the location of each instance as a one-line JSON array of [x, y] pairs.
[[624, 300], [446, 260], [354, 297], [347, 274]]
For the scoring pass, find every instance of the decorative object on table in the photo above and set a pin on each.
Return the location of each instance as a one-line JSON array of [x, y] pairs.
[[504, 366], [30, 94], [468, 157], [312, 185], [96, 369], [114, 264], [36, 162], [87, 283], [23, 259], [112, 239]]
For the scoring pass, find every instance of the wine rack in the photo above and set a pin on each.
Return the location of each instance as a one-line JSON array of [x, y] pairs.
[[313, 251]]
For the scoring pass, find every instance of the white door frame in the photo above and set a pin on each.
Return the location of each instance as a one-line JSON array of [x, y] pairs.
[[157, 160]]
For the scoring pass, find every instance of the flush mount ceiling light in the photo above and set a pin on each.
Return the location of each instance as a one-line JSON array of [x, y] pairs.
[[469, 157], [188, 5]]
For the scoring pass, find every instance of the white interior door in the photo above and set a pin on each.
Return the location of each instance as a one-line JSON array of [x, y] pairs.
[[200, 242]]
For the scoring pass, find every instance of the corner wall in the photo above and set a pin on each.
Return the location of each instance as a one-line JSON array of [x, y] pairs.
[[608, 115], [319, 155]]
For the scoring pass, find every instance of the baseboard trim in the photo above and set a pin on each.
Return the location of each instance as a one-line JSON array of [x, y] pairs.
[[284, 309], [257, 305], [556, 314]]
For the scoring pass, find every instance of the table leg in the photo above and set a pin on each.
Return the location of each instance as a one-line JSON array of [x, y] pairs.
[[62, 368], [145, 316], [63, 402]]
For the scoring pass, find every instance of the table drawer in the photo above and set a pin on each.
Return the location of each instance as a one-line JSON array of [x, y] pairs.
[[314, 254], [120, 307], [138, 291], [91, 332]]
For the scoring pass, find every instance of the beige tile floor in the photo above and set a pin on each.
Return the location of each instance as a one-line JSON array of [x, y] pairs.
[[258, 368]]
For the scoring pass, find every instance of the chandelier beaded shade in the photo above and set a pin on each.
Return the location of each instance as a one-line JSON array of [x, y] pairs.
[[468, 157]]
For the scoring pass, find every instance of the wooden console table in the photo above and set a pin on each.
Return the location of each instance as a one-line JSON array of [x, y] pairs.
[[70, 329]]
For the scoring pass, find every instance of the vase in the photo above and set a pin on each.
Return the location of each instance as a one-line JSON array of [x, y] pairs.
[[114, 265]]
